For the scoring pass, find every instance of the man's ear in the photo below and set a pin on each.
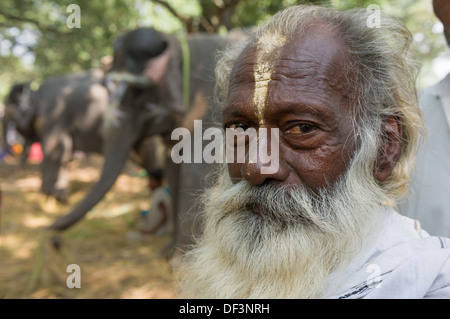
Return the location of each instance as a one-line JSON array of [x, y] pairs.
[[390, 148]]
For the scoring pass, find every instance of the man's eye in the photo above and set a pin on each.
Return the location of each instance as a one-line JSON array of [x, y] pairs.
[[301, 129]]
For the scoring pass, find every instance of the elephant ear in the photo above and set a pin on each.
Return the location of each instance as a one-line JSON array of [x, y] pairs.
[[157, 67], [165, 72]]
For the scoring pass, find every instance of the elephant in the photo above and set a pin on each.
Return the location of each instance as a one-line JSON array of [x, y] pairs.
[[150, 69], [16, 117], [66, 113]]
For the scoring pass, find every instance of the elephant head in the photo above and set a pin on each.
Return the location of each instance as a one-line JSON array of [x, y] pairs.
[[145, 100], [20, 115]]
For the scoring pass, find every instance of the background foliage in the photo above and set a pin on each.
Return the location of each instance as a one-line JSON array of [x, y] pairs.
[[36, 43]]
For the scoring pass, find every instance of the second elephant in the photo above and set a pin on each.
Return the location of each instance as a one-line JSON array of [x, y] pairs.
[[66, 114]]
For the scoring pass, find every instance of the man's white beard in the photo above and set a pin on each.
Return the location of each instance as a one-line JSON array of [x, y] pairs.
[[288, 249]]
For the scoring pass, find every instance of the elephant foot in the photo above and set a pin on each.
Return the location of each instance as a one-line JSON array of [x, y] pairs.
[[61, 195]]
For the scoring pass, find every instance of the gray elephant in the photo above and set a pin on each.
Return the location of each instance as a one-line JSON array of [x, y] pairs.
[[148, 75], [16, 118], [66, 114]]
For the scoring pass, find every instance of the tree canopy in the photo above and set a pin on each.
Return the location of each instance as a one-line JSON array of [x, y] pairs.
[[41, 38]]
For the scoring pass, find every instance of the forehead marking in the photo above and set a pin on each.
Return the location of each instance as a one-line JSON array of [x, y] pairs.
[[268, 52]]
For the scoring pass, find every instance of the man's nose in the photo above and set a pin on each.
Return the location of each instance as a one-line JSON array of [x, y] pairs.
[[267, 164], [253, 174]]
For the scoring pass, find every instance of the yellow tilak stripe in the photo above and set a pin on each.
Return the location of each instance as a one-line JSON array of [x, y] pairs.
[[268, 52]]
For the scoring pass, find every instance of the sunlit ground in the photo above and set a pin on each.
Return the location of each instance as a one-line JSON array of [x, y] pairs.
[[111, 266]]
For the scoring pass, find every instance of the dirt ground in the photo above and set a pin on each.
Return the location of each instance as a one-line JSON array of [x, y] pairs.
[[111, 266]]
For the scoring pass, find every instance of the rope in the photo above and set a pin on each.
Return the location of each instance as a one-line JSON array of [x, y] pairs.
[[129, 78], [186, 68]]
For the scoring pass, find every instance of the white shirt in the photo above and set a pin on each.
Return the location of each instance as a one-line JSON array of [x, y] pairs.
[[154, 215], [429, 197], [402, 262]]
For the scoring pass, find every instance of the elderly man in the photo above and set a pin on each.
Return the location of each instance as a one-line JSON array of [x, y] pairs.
[[340, 93], [429, 200]]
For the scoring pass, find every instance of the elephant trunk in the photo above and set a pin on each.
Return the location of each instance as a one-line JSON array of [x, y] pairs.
[[118, 140], [115, 158]]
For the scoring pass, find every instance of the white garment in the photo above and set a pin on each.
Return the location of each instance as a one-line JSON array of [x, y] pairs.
[[402, 262], [429, 197], [154, 215]]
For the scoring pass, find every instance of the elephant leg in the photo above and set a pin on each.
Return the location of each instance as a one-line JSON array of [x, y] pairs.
[[151, 151], [26, 151], [154, 153], [61, 189], [172, 172], [57, 151]]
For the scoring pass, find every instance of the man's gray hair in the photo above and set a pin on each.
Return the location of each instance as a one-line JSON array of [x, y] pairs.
[[380, 77]]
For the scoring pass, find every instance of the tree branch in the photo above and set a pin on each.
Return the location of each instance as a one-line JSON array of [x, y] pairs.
[[172, 10], [228, 8], [187, 21], [37, 23]]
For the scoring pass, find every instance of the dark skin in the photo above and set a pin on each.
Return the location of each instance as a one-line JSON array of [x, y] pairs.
[[306, 100], [442, 10]]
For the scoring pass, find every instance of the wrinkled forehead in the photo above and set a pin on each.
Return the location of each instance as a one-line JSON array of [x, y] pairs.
[[319, 54], [321, 49]]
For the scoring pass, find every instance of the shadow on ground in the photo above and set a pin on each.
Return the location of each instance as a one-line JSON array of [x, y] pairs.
[[111, 266]]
